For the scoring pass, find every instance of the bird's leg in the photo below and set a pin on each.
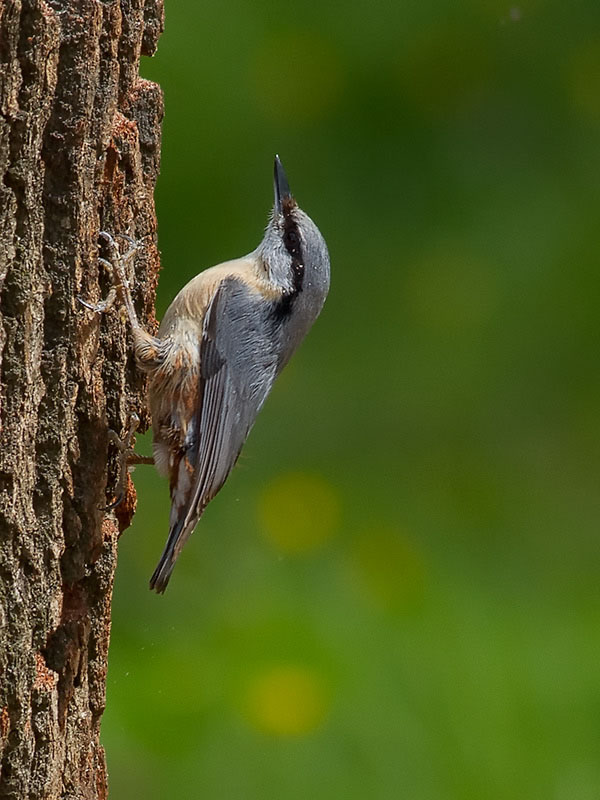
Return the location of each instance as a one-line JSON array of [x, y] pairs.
[[147, 347], [117, 269], [127, 457], [118, 265]]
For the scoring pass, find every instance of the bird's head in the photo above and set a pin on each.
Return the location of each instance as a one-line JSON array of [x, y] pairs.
[[293, 252]]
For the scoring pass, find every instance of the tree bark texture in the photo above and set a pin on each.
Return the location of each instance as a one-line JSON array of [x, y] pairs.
[[79, 153]]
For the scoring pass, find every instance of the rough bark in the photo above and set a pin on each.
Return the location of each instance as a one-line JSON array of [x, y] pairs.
[[79, 153]]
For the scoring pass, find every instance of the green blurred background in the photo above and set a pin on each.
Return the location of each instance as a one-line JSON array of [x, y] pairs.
[[396, 594]]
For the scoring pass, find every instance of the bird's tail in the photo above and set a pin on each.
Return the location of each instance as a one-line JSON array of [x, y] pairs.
[[178, 535]]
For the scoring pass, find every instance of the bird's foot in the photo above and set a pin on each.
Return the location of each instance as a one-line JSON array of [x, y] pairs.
[[118, 267], [127, 458]]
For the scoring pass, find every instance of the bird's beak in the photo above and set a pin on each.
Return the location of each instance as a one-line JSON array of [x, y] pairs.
[[281, 186]]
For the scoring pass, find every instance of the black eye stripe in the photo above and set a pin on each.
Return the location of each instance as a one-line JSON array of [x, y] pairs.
[[291, 238], [293, 244]]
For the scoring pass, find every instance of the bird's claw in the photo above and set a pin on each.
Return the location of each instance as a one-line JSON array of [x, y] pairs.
[[116, 266], [127, 457], [126, 444], [103, 306], [114, 504], [114, 247]]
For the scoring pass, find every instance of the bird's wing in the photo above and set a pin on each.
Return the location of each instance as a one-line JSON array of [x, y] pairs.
[[238, 363]]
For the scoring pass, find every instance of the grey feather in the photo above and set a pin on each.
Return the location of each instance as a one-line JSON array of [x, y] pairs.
[[238, 364]]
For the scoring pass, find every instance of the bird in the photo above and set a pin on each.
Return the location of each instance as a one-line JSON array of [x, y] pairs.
[[219, 348]]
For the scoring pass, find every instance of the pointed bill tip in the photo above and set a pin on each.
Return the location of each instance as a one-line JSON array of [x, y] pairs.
[[280, 185]]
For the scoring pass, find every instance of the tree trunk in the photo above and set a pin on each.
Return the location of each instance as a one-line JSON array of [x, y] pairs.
[[79, 153]]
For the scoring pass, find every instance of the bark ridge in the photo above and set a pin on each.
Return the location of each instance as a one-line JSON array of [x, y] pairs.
[[79, 152]]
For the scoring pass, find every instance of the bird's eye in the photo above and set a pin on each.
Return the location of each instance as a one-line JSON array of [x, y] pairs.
[[291, 240]]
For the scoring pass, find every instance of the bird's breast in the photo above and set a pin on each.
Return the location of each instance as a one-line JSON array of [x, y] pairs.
[[174, 388]]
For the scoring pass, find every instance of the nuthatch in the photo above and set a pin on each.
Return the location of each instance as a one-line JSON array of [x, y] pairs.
[[223, 341]]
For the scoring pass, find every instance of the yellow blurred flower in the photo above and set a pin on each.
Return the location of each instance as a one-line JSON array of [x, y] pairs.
[[287, 700], [299, 512]]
